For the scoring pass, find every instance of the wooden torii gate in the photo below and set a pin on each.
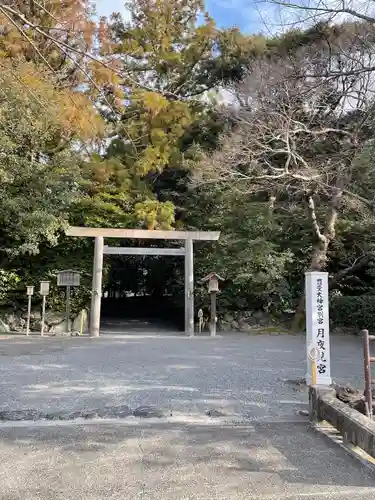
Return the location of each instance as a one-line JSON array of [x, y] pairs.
[[142, 234]]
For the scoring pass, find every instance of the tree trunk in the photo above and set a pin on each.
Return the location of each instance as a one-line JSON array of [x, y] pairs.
[[319, 256], [318, 263]]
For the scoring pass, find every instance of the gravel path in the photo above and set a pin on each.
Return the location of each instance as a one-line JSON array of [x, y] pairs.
[[177, 462], [262, 450], [243, 376]]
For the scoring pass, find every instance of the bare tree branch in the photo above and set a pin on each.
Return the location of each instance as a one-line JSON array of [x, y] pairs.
[[320, 8], [300, 140], [359, 263]]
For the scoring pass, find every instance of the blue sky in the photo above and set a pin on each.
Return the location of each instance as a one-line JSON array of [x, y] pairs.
[[245, 14]]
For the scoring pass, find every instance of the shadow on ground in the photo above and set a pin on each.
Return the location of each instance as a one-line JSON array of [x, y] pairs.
[[165, 461]]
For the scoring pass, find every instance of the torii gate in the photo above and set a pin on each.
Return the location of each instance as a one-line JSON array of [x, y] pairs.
[[100, 249]]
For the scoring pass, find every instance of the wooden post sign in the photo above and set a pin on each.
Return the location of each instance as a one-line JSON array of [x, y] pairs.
[[68, 278], [212, 280], [44, 291], [29, 293]]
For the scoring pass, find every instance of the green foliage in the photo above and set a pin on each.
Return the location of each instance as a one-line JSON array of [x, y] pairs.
[[69, 253], [354, 312], [38, 169], [247, 255], [8, 281], [56, 170], [172, 60], [181, 57]]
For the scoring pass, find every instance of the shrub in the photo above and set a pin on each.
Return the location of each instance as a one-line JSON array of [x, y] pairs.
[[355, 312], [8, 280]]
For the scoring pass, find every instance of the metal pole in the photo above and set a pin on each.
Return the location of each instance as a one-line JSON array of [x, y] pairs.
[[313, 372], [67, 317], [28, 314], [43, 315], [213, 314], [97, 277], [189, 287], [367, 362]]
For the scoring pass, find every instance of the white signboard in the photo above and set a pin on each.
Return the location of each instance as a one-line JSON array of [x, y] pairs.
[[68, 278], [317, 326], [29, 290], [44, 287]]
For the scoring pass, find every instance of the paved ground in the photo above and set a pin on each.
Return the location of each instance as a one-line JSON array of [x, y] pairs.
[[241, 375], [262, 450], [175, 462]]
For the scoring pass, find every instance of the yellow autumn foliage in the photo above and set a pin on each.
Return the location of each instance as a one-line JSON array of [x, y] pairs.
[[71, 111], [155, 214]]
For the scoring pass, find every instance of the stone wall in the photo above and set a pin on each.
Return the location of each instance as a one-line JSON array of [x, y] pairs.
[[55, 322], [354, 427]]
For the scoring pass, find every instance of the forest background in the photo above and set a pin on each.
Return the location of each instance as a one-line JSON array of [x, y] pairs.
[[161, 119]]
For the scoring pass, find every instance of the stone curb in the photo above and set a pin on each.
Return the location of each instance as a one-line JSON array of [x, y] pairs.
[[327, 431], [344, 425]]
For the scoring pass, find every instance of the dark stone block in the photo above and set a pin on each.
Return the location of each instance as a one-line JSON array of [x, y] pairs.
[[122, 411], [19, 415], [89, 414], [148, 412], [8, 415], [101, 412], [303, 413], [76, 414], [215, 413], [59, 415]]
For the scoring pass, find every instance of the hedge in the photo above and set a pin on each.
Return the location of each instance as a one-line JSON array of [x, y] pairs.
[[357, 312]]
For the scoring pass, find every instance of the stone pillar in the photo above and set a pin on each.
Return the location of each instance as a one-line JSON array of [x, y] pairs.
[[317, 326], [189, 287], [96, 297]]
